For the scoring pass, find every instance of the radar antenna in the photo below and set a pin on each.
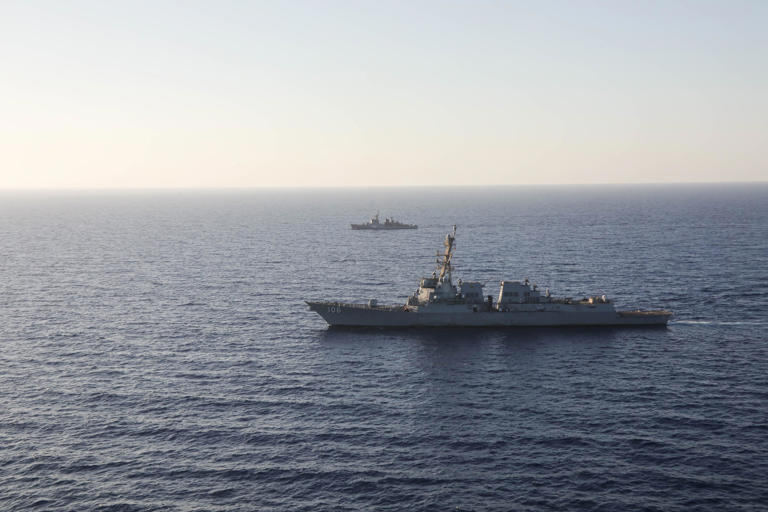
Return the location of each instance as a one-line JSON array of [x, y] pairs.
[[444, 265]]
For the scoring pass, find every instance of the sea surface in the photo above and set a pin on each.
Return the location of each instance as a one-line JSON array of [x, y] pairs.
[[156, 352]]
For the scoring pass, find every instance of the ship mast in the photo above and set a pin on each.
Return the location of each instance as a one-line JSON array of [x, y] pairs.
[[444, 265]]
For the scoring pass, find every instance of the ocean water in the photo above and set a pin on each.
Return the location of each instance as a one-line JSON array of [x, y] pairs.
[[156, 353]]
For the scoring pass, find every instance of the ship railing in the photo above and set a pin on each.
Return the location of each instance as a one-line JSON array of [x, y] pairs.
[[570, 300], [381, 307], [643, 312]]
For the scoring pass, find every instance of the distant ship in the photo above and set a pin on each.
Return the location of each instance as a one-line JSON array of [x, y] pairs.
[[389, 223], [438, 302]]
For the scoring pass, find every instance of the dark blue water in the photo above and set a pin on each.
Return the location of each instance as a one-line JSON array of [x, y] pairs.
[[156, 353]]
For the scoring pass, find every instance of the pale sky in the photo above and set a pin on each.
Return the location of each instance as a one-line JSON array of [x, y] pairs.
[[118, 94]]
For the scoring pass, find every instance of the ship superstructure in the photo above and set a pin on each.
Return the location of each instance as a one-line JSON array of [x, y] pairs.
[[440, 302], [389, 223]]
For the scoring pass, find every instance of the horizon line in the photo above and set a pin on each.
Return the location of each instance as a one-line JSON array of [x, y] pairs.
[[369, 187]]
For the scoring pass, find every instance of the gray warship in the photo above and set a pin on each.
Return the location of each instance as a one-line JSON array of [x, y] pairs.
[[389, 223], [439, 303]]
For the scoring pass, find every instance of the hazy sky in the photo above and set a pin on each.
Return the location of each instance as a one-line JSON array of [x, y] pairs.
[[321, 93]]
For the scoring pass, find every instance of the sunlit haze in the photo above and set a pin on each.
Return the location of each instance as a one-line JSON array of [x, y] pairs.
[[370, 93]]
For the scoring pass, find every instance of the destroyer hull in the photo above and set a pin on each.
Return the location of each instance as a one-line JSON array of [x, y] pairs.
[[382, 227], [359, 315]]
